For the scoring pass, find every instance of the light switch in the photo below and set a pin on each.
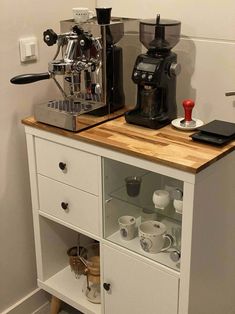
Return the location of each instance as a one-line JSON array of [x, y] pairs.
[[28, 49]]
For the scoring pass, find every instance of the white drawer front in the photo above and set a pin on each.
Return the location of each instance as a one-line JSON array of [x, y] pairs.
[[82, 208], [81, 168]]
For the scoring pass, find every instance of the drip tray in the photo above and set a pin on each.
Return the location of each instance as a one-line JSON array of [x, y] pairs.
[[69, 115]]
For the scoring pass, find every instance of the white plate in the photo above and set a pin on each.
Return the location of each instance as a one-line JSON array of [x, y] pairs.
[[176, 124]]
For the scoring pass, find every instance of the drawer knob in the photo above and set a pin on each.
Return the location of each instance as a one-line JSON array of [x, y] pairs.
[[62, 165], [106, 286], [64, 205]]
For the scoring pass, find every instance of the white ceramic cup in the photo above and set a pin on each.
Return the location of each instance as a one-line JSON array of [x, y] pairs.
[[152, 235], [82, 14], [178, 206], [127, 227], [161, 198]]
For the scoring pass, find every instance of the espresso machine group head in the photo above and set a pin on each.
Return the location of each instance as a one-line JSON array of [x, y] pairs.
[[155, 74], [90, 63]]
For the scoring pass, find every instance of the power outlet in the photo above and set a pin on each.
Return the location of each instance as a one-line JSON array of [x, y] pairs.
[[28, 49]]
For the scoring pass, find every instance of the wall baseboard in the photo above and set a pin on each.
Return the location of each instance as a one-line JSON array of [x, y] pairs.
[[33, 303]]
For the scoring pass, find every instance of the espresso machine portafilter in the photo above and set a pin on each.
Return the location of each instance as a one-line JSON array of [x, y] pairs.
[[155, 74], [91, 67]]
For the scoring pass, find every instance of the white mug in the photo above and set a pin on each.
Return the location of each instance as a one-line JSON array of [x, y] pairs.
[[178, 206], [82, 14], [152, 235], [127, 227], [161, 198]]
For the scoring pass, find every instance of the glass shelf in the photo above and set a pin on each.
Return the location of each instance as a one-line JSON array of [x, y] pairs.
[[144, 200], [121, 180]]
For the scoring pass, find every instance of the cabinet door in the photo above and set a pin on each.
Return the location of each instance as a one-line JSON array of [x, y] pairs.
[[137, 287]]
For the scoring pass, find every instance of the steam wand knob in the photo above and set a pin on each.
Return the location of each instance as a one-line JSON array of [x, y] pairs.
[[50, 37], [78, 30]]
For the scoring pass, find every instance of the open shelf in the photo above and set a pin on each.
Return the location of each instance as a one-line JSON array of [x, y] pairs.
[[66, 287], [56, 276]]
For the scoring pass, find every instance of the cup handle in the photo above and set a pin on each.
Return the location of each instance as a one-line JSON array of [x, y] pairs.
[[170, 239], [91, 14]]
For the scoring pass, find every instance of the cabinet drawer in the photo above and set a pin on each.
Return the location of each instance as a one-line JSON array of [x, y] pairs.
[[81, 168], [82, 208]]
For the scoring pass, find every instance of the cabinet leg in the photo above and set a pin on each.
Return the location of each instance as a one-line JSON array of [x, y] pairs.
[[55, 305]]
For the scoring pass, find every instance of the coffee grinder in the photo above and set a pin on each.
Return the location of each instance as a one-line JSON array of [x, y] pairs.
[[155, 74]]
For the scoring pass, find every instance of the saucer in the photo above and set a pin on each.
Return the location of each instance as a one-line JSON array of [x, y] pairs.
[[176, 124]]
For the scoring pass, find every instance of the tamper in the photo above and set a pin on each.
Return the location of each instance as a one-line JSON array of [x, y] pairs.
[[188, 105]]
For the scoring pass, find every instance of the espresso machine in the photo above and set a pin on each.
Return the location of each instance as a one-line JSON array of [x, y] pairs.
[[90, 64], [155, 74]]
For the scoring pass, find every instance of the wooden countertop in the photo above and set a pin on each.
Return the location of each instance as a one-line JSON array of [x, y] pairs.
[[167, 146]]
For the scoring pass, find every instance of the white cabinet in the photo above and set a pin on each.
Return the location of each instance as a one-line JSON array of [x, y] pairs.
[[78, 189], [137, 286]]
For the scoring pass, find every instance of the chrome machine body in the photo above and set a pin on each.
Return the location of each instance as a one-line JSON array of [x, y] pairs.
[[91, 65]]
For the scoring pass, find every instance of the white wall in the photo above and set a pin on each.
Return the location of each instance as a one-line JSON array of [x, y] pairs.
[[206, 50], [21, 19]]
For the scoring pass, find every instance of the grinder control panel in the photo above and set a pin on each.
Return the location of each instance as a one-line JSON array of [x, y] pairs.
[[145, 70]]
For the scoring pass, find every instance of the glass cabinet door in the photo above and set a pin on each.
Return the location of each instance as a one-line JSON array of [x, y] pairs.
[[142, 211]]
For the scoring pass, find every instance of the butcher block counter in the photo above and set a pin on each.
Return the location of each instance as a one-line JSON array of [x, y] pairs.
[[166, 146]]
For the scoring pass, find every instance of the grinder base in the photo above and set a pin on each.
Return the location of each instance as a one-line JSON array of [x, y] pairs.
[[135, 117]]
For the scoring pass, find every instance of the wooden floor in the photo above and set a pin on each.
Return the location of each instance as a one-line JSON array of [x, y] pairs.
[[66, 309]]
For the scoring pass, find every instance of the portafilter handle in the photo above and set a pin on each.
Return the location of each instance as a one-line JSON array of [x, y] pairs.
[[188, 105], [30, 78], [230, 94]]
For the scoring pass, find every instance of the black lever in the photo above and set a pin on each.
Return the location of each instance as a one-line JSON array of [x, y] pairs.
[[30, 78], [230, 94]]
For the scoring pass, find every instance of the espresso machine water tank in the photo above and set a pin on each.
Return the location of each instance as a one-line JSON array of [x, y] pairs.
[[155, 74]]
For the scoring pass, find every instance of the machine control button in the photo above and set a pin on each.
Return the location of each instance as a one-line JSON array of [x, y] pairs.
[[150, 77], [135, 74], [175, 69], [143, 76]]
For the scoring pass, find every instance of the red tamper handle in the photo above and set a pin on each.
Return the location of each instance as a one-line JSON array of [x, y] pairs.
[[188, 105]]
